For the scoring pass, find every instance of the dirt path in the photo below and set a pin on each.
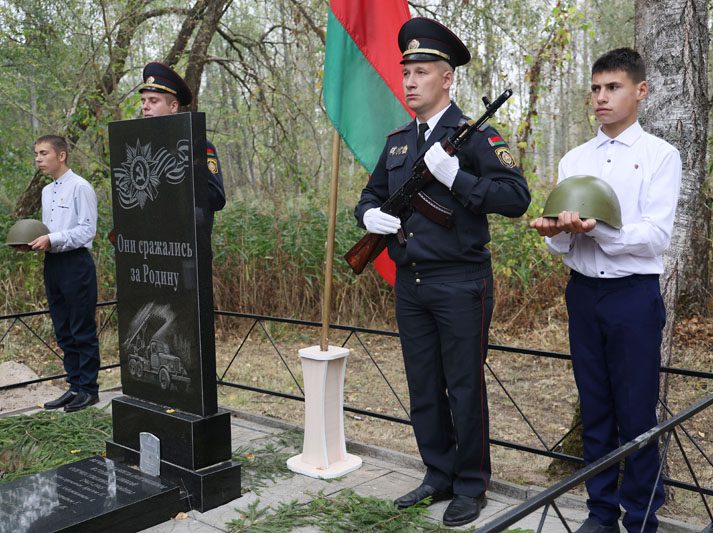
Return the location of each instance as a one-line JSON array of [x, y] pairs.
[[23, 397]]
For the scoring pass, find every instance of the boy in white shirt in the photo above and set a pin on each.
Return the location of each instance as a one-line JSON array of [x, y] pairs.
[[69, 210], [616, 313]]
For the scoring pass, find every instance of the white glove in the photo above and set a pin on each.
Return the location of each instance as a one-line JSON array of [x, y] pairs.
[[443, 166], [376, 221]]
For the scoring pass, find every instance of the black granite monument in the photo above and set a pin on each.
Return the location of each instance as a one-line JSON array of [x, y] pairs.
[[95, 494], [165, 307]]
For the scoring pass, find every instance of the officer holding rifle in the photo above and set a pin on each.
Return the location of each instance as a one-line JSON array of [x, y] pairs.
[[444, 284]]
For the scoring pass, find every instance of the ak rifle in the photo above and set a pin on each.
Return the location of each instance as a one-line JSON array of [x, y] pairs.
[[400, 203]]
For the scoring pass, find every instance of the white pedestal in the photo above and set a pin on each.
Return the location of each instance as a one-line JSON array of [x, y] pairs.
[[324, 452]]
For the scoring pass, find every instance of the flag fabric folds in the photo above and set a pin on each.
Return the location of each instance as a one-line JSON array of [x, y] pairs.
[[362, 81]]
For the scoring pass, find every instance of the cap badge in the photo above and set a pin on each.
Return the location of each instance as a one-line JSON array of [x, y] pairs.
[[413, 43], [150, 79]]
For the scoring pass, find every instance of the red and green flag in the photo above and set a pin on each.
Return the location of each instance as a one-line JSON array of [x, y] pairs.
[[362, 80]]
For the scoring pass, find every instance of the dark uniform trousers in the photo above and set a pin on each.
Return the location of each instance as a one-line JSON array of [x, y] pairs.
[[71, 288], [615, 330], [443, 324]]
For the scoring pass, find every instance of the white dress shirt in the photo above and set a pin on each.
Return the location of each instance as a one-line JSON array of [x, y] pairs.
[[645, 173], [69, 210], [432, 122]]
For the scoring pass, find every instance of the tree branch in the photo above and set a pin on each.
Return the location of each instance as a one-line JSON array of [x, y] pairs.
[[199, 50], [187, 28], [318, 30]]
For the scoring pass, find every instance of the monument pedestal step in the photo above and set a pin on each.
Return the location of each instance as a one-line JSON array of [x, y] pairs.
[[207, 488], [93, 494], [187, 440]]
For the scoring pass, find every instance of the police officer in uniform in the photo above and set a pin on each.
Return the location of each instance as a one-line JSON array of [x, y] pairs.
[[163, 93], [444, 284]]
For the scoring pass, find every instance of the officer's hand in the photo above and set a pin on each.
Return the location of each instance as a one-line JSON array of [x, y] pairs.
[[547, 227], [41, 243], [376, 221], [570, 222], [443, 166]]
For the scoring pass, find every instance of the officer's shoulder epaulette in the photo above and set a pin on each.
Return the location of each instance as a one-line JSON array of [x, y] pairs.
[[210, 149], [399, 129]]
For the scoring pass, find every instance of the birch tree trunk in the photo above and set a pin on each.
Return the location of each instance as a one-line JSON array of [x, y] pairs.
[[672, 37]]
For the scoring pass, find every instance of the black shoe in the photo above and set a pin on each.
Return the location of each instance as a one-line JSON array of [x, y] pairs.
[[82, 400], [61, 401], [419, 494], [463, 509], [591, 525]]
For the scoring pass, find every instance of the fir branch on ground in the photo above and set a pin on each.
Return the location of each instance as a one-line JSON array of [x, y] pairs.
[[269, 463], [44, 440], [347, 511], [292, 438]]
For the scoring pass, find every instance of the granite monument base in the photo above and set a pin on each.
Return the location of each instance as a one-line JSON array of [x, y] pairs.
[[206, 489], [94, 494], [195, 450]]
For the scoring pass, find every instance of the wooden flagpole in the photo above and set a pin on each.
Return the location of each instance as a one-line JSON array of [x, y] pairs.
[[331, 230]]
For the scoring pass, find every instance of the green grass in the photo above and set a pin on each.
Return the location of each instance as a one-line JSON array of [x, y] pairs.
[[38, 442]]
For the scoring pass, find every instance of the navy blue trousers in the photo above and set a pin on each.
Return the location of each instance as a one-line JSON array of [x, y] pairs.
[[71, 288], [443, 326], [615, 330]]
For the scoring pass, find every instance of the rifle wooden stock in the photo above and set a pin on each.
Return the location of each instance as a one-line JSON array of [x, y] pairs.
[[365, 251]]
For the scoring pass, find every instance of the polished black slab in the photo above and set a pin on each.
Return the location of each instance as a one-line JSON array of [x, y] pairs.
[[165, 307], [207, 488], [187, 440], [94, 494], [163, 261]]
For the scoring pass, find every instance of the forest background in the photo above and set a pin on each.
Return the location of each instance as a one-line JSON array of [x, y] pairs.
[[72, 66]]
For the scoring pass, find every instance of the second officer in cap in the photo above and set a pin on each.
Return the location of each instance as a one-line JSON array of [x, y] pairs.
[[163, 93], [444, 283]]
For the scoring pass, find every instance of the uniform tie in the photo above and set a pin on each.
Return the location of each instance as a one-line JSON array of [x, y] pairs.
[[422, 127]]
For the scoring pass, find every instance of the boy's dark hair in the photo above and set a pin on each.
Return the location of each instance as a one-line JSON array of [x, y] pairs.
[[626, 59], [58, 142]]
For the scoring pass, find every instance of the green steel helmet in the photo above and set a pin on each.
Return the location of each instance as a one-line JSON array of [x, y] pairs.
[[25, 231], [591, 197]]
